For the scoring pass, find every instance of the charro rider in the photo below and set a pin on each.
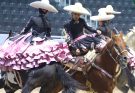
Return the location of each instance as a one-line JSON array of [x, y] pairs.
[[80, 43], [106, 25]]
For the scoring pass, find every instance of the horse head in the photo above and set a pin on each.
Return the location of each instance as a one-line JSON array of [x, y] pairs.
[[119, 44]]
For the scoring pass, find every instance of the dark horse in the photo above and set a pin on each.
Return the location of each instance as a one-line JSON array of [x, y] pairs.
[[106, 67], [41, 76], [45, 76]]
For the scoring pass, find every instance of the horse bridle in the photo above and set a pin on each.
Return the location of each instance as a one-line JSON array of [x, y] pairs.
[[119, 57], [118, 51]]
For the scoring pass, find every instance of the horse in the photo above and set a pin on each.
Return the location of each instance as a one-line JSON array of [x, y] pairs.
[[40, 76], [104, 71]]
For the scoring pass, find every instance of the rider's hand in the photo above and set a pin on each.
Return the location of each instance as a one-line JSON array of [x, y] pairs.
[[99, 32]]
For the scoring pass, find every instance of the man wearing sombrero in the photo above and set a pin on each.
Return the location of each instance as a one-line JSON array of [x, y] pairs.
[[105, 25], [74, 29], [102, 19], [110, 11]]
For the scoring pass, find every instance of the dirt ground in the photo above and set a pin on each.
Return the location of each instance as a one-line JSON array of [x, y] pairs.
[[37, 91]]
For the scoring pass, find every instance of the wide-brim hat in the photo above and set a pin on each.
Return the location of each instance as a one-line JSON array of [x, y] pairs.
[[44, 4], [77, 8], [102, 10], [102, 16], [109, 9]]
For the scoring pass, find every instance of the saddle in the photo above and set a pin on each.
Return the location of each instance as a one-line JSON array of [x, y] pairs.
[[81, 63]]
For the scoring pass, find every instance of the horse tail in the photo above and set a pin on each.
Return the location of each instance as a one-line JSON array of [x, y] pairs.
[[70, 85], [131, 79]]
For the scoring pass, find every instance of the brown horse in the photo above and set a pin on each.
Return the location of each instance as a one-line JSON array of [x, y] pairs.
[[106, 67]]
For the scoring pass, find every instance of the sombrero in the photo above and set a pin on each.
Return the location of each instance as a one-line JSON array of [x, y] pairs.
[[102, 16], [44, 4], [102, 10], [77, 8], [109, 9]]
